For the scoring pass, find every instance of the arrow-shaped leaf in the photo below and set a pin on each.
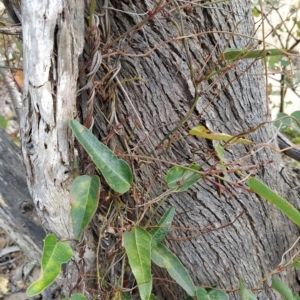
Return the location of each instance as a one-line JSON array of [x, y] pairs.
[[164, 258], [54, 255], [116, 171], [84, 202], [137, 244]]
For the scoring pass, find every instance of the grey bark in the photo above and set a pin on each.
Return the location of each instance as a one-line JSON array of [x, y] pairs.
[[17, 212], [249, 247]]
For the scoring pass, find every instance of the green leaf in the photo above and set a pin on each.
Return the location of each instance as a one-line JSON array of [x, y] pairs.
[[245, 294], [202, 294], [54, 255], [296, 263], [282, 289], [296, 297], [255, 12], [152, 297], [164, 258], [296, 115], [137, 244], [220, 152], [3, 122], [116, 171], [286, 122], [181, 179], [76, 297], [84, 202], [158, 233], [295, 126], [283, 205], [274, 62], [233, 54], [125, 296], [284, 61]]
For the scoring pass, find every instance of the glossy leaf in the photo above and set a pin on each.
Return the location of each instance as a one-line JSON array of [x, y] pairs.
[[180, 179], [282, 289], [158, 233], [164, 258], [202, 294], [76, 297], [54, 255], [84, 202], [203, 132], [137, 244], [116, 171], [245, 294], [283, 205]]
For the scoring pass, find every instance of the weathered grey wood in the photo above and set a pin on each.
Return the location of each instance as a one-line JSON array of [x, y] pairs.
[[52, 41], [17, 212]]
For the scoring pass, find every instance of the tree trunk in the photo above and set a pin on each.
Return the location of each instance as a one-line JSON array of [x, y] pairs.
[[234, 101], [139, 101]]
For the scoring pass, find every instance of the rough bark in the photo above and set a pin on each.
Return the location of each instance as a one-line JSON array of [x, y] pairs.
[[17, 212], [253, 245], [52, 41], [249, 247]]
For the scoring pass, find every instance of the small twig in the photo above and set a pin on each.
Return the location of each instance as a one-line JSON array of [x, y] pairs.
[[13, 91], [11, 30]]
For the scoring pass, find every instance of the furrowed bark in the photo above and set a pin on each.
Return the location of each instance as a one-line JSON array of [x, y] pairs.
[[233, 101]]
